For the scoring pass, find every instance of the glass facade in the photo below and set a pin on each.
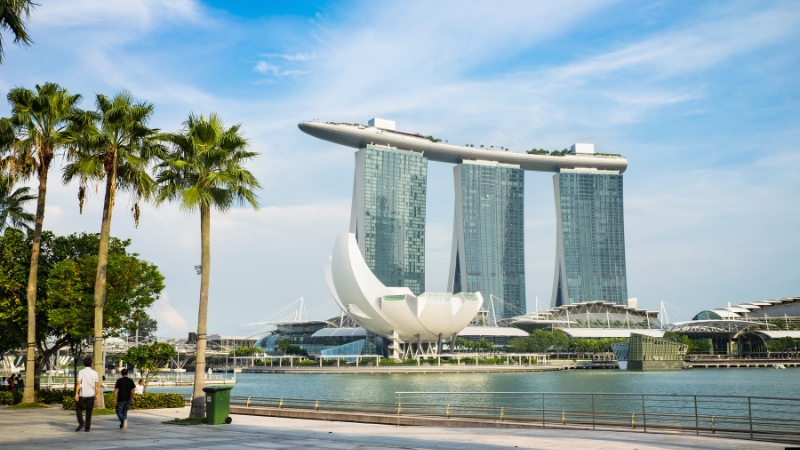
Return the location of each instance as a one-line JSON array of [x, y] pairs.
[[488, 242], [590, 253], [389, 214], [647, 348], [362, 343]]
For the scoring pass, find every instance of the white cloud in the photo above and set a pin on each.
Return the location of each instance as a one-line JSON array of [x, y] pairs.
[[694, 48], [124, 13], [276, 71], [293, 57], [170, 322]]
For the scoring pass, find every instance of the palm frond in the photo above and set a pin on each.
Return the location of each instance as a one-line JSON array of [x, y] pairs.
[[204, 166]]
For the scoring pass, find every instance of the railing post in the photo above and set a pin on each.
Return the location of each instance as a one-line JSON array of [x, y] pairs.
[[248, 401], [542, 411], [633, 420], [696, 419], [750, 417], [494, 408], [316, 405], [280, 405], [713, 431], [593, 427], [644, 416]]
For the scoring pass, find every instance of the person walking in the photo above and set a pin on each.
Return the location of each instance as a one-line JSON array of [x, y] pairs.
[[124, 396], [86, 392]]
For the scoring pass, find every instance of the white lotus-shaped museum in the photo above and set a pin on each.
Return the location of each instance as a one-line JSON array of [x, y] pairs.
[[394, 312]]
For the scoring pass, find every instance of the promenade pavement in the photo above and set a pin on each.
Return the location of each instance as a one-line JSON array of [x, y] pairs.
[[54, 428]]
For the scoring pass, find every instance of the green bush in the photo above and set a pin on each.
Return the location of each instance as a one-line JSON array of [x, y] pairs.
[[492, 361], [154, 401], [143, 401], [49, 396], [10, 398]]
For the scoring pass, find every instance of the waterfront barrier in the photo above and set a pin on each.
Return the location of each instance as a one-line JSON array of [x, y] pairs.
[[160, 380], [765, 418]]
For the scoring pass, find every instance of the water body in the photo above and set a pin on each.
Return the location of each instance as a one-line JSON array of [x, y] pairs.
[[381, 388]]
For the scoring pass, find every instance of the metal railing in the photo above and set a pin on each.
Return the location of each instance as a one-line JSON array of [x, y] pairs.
[[771, 418]]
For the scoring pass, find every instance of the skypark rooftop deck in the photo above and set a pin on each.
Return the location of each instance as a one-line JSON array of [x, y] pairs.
[[358, 136]]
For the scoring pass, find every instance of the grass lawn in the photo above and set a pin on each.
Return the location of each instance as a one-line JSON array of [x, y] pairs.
[[27, 406]]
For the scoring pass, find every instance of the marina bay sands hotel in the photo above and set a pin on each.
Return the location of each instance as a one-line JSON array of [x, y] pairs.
[[388, 215]]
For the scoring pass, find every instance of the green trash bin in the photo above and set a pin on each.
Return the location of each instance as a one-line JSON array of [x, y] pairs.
[[218, 404]]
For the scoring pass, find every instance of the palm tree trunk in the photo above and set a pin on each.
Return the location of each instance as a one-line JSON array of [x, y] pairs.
[[198, 397], [100, 280], [29, 396]]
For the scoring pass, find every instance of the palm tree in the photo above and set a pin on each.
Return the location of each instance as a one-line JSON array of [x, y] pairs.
[[40, 122], [12, 201], [116, 145], [13, 14], [204, 170]]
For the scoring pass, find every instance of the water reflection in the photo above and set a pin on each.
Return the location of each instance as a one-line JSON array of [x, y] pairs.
[[382, 388]]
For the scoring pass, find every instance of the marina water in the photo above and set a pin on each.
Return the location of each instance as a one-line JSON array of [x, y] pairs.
[[766, 382]]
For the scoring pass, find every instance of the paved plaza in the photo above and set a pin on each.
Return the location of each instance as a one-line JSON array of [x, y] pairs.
[[54, 428]]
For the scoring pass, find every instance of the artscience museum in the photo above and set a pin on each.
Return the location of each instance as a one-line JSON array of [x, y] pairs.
[[413, 324]]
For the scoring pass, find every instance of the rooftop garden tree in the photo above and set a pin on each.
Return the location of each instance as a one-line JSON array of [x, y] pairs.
[[204, 170]]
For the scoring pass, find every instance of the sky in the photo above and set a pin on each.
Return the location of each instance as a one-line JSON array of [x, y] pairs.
[[701, 97]]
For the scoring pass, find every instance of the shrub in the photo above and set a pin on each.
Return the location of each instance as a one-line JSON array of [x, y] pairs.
[[10, 398], [49, 396], [154, 401], [143, 401], [492, 361]]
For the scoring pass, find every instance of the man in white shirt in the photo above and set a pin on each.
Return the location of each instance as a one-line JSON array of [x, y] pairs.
[[86, 392]]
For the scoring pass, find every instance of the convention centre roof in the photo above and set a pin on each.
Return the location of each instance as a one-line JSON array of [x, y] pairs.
[[602, 333], [493, 331], [775, 308], [713, 326]]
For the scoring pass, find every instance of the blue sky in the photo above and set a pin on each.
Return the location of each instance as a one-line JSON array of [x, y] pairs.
[[701, 97]]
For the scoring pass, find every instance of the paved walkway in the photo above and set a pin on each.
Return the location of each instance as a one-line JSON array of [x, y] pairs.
[[54, 428]]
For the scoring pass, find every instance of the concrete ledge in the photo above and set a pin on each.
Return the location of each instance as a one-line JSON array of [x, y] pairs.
[[383, 419]]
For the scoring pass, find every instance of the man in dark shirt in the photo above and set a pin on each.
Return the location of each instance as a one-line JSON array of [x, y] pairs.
[[124, 395]]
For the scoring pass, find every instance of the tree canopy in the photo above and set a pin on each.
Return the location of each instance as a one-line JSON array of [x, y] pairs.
[[67, 271], [149, 358]]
